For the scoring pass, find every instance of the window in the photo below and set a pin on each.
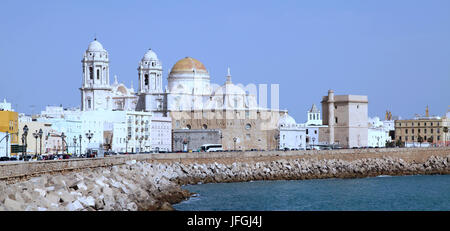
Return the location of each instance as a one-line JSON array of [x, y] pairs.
[[412, 131], [406, 131], [146, 79], [91, 73], [205, 126], [357, 106], [306, 131], [98, 73], [431, 130], [315, 131], [425, 130], [418, 130], [412, 138], [336, 119], [406, 138], [248, 126], [399, 138], [438, 138], [335, 106]]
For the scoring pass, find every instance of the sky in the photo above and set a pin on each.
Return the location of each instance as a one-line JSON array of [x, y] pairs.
[[395, 52]]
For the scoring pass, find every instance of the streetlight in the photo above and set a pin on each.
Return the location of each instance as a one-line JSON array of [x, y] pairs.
[[7, 137], [313, 139], [126, 143], [75, 145], [40, 140], [89, 135], [24, 141], [36, 136], [63, 141], [79, 137], [140, 144]]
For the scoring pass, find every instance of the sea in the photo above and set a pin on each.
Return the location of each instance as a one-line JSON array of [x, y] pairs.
[[382, 193]]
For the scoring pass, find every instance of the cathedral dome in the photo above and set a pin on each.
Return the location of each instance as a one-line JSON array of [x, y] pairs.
[[286, 120], [189, 65], [95, 46], [150, 55]]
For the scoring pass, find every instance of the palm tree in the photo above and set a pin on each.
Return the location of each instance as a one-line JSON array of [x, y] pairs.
[[420, 140]]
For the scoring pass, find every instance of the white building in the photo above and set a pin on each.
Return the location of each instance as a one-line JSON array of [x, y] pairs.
[[5, 106], [292, 135], [5, 143], [378, 132], [313, 123]]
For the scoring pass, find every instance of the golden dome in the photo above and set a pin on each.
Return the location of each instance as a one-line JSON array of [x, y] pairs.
[[187, 65]]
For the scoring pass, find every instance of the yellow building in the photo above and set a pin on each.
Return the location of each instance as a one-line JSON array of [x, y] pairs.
[[9, 124], [423, 130]]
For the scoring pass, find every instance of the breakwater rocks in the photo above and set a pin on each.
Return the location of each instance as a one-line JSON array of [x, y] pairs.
[[154, 186]]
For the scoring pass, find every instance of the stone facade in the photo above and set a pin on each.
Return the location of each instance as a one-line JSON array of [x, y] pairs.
[[241, 129], [193, 139]]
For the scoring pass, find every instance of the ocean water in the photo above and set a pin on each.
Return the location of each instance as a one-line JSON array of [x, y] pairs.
[[382, 193]]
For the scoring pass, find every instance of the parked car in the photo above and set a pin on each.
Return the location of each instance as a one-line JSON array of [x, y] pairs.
[[4, 158]]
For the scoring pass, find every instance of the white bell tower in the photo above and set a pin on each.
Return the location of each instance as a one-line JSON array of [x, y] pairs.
[[95, 88], [150, 90]]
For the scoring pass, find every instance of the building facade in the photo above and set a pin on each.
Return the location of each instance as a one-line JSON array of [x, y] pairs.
[[347, 120], [423, 130], [292, 135], [9, 127]]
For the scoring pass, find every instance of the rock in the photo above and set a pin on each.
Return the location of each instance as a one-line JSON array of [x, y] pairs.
[[74, 206], [132, 206], [130, 162], [87, 201], [41, 192], [67, 197], [12, 205], [53, 198]]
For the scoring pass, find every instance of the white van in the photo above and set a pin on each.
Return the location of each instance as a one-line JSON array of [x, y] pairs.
[[211, 148]]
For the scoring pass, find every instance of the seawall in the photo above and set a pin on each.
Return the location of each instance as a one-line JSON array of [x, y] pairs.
[[152, 182]]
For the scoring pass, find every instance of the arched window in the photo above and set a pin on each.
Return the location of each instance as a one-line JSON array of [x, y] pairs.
[[146, 79], [205, 126], [89, 103], [91, 73], [98, 73], [188, 126]]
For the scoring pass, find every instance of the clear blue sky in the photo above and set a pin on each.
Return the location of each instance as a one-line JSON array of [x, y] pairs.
[[396, 52]]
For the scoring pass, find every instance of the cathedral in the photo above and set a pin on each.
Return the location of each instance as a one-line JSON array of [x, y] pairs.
[[190, 100]]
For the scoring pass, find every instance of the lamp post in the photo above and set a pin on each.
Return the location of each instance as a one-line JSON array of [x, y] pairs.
[[140, 144], [89, 135], [24, 141], [126, 143], [63, 141], [75, 145], [79, 137], [40, 140], [36, 136], [313, 139], [7, 137]]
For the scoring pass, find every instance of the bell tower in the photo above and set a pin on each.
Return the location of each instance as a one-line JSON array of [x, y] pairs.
[[95, 88], [150, 90]]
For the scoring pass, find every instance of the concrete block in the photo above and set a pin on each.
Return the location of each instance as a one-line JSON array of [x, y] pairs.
[[12, 205], [87, 201], [74, 206]]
